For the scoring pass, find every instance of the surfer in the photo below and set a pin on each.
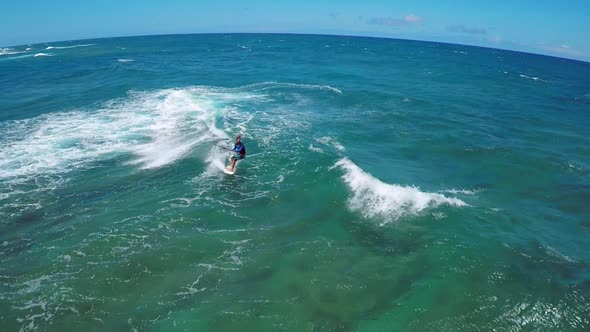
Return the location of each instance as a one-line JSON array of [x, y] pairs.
[[240, 151]]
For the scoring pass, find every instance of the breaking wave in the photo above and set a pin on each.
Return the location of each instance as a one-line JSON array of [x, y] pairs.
[[376, 199]]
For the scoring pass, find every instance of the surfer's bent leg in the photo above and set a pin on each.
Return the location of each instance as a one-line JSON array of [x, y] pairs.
[[233, 163], [235, 159]]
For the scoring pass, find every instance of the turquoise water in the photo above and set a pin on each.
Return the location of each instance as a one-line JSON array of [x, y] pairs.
[[389, 186]]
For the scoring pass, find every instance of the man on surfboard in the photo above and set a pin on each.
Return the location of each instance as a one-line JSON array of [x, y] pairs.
[[240, 151]]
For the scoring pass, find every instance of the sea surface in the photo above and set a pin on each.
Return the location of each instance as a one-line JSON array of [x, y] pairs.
[[389, 185]]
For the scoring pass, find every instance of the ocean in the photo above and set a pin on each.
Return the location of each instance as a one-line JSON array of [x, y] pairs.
[[390, 185]]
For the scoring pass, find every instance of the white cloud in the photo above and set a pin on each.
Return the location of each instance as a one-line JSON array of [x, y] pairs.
[[562, 49], [467, 30], [395, 21], [412, 18]]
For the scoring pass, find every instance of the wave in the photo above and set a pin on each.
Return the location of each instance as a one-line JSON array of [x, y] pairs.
[[462, 191], [552, 252], [42, 54], [315, 149], [125, 60], [16, 57], [270, 85], [10, 51], [376, 199], [66, 47], [532, 78], [326, 140]]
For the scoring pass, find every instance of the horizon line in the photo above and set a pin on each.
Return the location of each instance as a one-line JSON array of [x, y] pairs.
[[302, 34]]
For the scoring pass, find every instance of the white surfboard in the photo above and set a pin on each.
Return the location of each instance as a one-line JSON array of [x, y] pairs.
[[227, 170]]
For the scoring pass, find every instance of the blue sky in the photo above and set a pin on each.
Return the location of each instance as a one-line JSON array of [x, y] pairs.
[[551, 27]]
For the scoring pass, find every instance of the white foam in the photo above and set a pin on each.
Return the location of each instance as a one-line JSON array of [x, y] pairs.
[[66, 258], [326, 140], [153, 129], [125, 60], [376, 199], [215, 161], [271, 84], [315, 149], [461, 191], [10, 51], [66, 47], [532, 78], [179, 125], [439, 215], [33, 285], [42, 54]]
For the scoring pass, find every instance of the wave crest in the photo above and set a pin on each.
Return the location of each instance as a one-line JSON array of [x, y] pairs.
[[376, 199], [66, 47], [9, 51], [270, 85]]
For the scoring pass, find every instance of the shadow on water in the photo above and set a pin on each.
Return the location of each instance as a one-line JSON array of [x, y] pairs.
[[23, 223], [14, 247], [387, 241], [543, 264], [333, 310]]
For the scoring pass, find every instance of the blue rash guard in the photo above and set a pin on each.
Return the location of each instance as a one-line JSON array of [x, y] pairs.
[[240, 150]]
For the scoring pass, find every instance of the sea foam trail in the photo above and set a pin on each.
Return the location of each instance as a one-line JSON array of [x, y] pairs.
[[271, 85], [154, 128], [376, 199], [65, 47], [534, 78]]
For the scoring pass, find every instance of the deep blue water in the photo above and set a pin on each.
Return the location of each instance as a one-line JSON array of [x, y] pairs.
[[389, 185]]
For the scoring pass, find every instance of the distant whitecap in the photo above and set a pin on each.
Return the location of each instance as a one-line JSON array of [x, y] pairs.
[[65, 47]]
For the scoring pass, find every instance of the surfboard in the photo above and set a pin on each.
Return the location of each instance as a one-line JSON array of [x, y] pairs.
[[226, 170]]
